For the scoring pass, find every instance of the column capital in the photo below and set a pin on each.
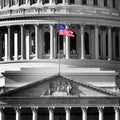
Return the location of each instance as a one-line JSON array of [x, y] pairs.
[[8, 27], [82, 25], [97, 25], [117, 108], [34, 109], [110, 27], [22, 25], [84, 109], [100, 109], [17, 109], [36, 25], [2, 108], [67, 109], [51, 108]]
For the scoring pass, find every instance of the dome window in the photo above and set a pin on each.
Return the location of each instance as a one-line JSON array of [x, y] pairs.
[[114, 4], [58, 1], [84, 2], [46, 1], [72, 1], [105, 3], [95, 2]]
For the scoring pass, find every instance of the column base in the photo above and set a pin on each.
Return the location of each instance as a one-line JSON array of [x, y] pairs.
[[51, 58], [109, 59], [82, 58]]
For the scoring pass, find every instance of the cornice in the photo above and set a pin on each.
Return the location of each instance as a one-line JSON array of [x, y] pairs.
[[55, 19], [58, 10]]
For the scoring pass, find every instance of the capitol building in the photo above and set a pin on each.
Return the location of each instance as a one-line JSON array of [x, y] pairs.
[[47, 76]]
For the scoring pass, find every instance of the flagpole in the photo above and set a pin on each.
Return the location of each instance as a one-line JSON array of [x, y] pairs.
[[58, 51]]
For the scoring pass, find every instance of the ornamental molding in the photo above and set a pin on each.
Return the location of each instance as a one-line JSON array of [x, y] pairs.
[[63, 19], [57, 9], [61, 88]]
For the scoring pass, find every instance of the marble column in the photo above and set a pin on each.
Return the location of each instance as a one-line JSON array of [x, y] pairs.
[[7, 44], [80, 2], [1, 114], [101, 3], [110, 3], [6, 40], [27, 39], [109, 44], [15, 46], [34, 113], [0, 4], [17, 111], [119, 44], [100, 110], [84, 113], [51, 113], [104, 44], [114, 45], [40, 43], [22, 41], [96, 42], [67, 45], [36, 42], [55, 44], [67, 111], [1, 45], [51, 41], [65, 1], [51, 1], [82, 43], [117, 113], [64, 45]]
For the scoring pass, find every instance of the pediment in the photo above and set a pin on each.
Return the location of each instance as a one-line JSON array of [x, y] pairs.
[[57, 86]]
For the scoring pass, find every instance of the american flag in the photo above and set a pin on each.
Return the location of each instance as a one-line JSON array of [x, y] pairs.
[[65, 32]]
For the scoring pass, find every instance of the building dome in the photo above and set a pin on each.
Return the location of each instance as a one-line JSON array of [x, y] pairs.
[[32, 50]]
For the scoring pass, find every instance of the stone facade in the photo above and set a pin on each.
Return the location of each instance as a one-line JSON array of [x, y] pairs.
[[47, 76]]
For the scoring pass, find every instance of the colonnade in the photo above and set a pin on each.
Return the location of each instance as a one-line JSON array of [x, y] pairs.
[[23, 37], [67, 113], [101, 3]]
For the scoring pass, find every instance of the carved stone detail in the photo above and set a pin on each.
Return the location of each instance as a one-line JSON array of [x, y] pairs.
[[59, 88]]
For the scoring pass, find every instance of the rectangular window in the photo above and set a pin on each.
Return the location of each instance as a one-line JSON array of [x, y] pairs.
[[114, 4], [72, 1], [6, 3], [46, 1], [58, 1], [105, 3], [84, 2], [95, 2]]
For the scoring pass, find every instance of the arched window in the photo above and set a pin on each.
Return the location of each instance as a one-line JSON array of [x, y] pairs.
[[117, 46], [58, 1], [59, 43], [6, 3], [95, 2], [46, 1], [114, 4], [47, 42], [84, 2], [105, 3], [100, 52], [106, 44], [73, 44], [72, 1], [33, 42], [3, 46], [86, 43], [33, 2]]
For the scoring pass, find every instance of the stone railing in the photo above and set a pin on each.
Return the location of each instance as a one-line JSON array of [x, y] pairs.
[[58, 9]]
